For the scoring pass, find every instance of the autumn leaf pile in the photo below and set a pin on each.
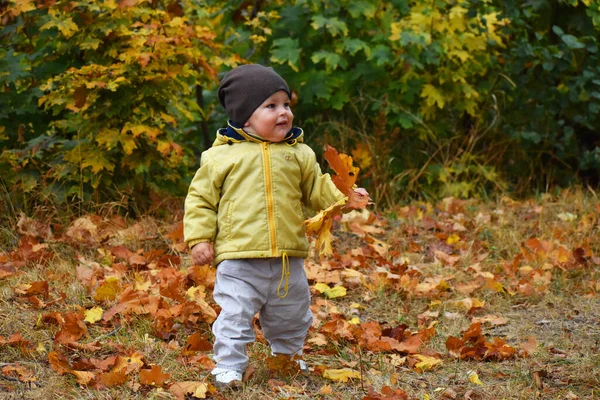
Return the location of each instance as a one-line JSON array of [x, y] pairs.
[[99, 277]]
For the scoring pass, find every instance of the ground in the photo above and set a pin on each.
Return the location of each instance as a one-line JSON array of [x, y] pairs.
[[461, 299]]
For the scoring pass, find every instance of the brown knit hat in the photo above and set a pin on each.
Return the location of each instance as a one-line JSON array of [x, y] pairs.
[[244, 88]]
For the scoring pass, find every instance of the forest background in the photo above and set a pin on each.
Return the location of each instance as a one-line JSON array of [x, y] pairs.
[[475, 126], [115, 100]]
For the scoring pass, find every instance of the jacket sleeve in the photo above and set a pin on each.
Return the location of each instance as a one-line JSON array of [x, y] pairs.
[[201, 204], [318, 190]]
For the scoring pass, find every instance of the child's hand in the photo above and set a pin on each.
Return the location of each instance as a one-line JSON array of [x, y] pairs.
[[358, 199], [203, 253]]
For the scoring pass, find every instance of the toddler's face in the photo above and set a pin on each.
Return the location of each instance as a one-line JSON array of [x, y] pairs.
[[272, 120]]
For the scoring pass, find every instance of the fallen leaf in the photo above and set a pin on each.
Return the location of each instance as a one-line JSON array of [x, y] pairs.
[[113, 378], [474, 378], [341, 375], [332, 293], [93, 315], [426, 362], [108, 290], [153, 376], [196, 389]]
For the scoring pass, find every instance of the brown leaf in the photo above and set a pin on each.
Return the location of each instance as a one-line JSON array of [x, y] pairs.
[[113, 378], [16, 370], [80, 96], [128, 364], [30, 227], [196, 389], [84, 377], [33, 288], [58, 362], [153, 376], [346, 173], [204, 361], [196, 342], [530, 346], [127, 3], [282, 365], [72, 330]]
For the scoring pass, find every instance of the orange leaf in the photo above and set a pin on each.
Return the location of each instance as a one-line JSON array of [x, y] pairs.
[[58, 362], [282, 365], [346, 174], [72, 330], [84, 377], [113, 378], [196, 389], [153, 376], [196, 342]]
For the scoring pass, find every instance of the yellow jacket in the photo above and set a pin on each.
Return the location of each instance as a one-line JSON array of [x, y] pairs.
[[247, 196]]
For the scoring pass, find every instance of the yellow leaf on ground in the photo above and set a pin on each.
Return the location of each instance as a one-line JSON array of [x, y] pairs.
[[341, 375], [108, 290], [93, 315], [181, 389], [426, 362], [474, 378], [332, 293]]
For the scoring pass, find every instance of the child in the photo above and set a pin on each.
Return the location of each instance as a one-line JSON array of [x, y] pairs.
[[243, 212]]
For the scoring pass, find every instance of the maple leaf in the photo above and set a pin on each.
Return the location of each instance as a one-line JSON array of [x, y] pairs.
[[58, 362], [113, 378], [73, 328], [22, 373], [153, 376], [321, 225], [196, 389], [84, 377], [196, 342], [341, 375], [344, 180], [29, 289], [128, 364], [346, 173], [332, 293], [93, 315], [426, 362], [282, 365], [108, 290], [16, 340]]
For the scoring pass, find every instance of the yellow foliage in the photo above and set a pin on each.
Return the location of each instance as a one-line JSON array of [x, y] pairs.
[[432, 96]]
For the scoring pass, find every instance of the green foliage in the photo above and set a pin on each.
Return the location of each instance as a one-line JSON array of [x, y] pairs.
[[553, 114], [445, 98]]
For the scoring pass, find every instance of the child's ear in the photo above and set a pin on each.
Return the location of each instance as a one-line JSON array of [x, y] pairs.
[[246, 124]]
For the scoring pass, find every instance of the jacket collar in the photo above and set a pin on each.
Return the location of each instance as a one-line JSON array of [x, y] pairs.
[[232, 134]]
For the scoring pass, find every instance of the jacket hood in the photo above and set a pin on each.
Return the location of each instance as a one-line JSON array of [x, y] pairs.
[[233, 134]]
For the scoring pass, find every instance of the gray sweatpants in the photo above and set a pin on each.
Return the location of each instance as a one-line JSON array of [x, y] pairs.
[[247, 286]]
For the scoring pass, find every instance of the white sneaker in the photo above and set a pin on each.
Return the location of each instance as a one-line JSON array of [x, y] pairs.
[[302, 365], [225, 378]]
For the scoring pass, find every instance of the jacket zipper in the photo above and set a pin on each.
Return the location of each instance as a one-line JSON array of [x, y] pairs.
[[270, 205]]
